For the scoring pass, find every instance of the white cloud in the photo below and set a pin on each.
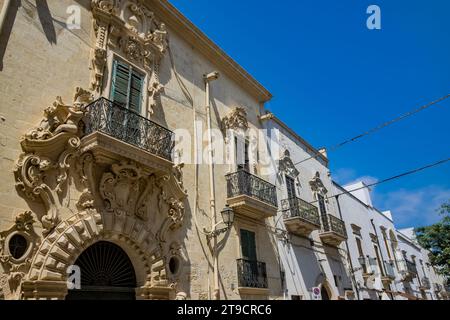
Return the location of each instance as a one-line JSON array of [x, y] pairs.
[[414, 208]]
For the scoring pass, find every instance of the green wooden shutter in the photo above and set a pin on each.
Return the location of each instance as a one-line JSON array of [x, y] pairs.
[[248, 245], [120, 81], [136, 82], [126, 89]]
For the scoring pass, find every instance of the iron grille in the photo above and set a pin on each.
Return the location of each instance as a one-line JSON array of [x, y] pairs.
[[116, 121], [296, 207], [244, 183], [252, 274], [332, 224]]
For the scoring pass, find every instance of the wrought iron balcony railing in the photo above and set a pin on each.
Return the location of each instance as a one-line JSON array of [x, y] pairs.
[[118, 122], [425, 281], [411, 267], [252, 274], [331, 223], [244, 183], [296, 207], [390, 270]]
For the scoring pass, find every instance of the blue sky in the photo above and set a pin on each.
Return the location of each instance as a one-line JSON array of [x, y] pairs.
[[332, 79]]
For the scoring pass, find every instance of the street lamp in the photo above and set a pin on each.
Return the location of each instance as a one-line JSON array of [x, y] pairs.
[[227, 216], [227, 219]]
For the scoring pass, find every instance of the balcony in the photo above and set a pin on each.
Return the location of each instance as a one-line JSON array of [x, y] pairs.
[[300, 217], [408, 269], [369, 266], [252, 277], [425, 283], [112, 130], [390, 271], [333, 230], [251, 196]]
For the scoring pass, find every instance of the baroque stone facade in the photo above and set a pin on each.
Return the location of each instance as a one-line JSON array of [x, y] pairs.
[[102, 169]]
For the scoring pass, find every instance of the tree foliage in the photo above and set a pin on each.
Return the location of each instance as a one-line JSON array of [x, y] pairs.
[[436, 238]]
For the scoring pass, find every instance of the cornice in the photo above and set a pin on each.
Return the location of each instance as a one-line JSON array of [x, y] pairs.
[[272, 117], [179, 24]]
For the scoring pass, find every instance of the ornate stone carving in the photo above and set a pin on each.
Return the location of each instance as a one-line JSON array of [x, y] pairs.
[[15, 267], [42, 170], [127, 190], [236, 119], [178, 174], [98, 65], [317, 184], [131, 28], [286, 165]]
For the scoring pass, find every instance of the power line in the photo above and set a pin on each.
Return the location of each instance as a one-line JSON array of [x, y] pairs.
[[379, 127], [390, 179]]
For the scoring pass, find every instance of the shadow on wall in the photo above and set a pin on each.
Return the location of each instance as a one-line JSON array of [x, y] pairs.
[[7, 28], [46, 20]]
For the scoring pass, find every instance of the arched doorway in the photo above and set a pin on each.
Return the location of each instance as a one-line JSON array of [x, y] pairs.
[[106, 274], [324, 293]]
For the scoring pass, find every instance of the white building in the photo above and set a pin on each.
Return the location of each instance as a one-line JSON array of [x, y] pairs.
[[387, 263], [312, 252]]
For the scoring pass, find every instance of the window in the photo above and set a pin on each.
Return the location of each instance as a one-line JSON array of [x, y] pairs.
[[248, 245], [290, 186], [242, 154], [380, 262], [126, 88], [386, 244], [18, 246], [361, 253], [323, 210]]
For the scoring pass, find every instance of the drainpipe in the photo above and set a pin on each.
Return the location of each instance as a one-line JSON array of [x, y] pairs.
[[355, 283], [3, 14], [212, 200]]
